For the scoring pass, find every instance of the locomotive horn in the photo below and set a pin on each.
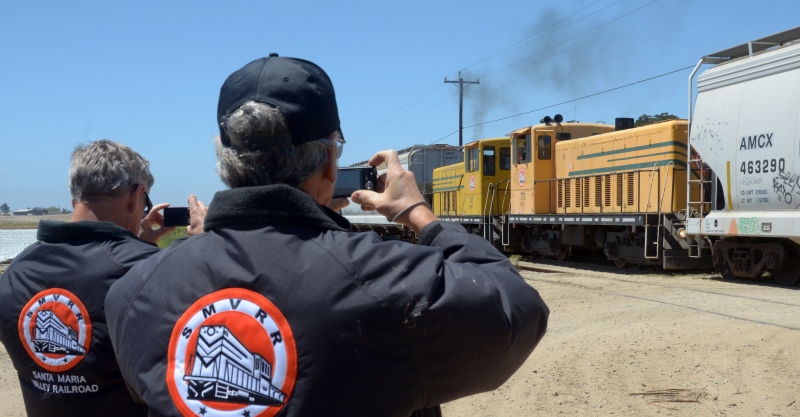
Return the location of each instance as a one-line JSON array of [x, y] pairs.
[[547, 120], [559, 118]]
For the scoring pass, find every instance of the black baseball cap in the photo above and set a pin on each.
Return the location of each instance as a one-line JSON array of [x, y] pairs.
[[299, 88]]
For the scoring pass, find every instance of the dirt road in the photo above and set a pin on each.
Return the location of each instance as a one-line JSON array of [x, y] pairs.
[[637, 344]]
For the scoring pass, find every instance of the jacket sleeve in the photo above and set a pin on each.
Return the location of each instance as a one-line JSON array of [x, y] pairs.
[[468, 317]]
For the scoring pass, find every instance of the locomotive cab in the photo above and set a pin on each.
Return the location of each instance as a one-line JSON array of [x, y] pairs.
[[533, 186], [479, 185]]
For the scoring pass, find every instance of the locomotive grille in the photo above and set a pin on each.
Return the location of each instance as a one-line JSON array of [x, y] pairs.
[[560, 193], [567, 192], [629, 183], [578, 196], [586, 190], [598, 189], [619, 190], [607, 196]]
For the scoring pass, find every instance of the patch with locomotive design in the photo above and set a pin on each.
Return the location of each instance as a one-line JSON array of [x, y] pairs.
[[232, 353], [55, 329]]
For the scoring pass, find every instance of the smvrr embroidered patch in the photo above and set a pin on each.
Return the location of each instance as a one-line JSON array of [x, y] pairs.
[[232, 353], [55, 329]]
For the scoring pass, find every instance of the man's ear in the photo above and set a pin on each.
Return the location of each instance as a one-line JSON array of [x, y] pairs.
[[329, 171], [133, 199]]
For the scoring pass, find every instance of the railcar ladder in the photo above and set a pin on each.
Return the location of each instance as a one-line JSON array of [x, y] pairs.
[[694, 240], [505, 226], [660, 199], [696, 209], [486, 216]]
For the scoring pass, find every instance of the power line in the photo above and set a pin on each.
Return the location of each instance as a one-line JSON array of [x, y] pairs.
[[520, 42], [433, 88], [400, 111], [401, 124], [569, 40], [461, 86], [565, 102]]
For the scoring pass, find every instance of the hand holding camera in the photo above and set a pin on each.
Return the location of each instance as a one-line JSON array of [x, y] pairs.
[[399, 199], [349, 180], [192, 217]]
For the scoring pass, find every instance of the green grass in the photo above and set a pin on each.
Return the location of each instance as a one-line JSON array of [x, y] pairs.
[[20, 225], [167, 239]]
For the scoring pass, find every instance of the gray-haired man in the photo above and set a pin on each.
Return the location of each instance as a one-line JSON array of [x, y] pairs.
[[52, 321], [278, 309]]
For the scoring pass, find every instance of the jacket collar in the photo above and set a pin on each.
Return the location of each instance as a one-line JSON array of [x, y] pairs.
[[277, 204], [54, 231]]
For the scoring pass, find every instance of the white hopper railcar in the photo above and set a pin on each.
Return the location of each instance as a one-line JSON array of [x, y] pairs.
[[745, 143]]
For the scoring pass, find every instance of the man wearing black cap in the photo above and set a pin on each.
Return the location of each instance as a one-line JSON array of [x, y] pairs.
[[279, 310]]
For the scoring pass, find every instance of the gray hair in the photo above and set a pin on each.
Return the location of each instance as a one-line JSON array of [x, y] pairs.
[[245, 164], [106, 169]]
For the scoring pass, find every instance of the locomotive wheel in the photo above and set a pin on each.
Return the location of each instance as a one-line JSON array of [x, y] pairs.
[[621, 263], [563, 253], [790, 273]]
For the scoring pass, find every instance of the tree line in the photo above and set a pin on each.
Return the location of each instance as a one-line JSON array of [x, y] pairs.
[[5, 209]]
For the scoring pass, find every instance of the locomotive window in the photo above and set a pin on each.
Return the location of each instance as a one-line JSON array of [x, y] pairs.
[[564, 136], [543, 147], [522, 147], [488, 160], [505, 159], [472, 159]]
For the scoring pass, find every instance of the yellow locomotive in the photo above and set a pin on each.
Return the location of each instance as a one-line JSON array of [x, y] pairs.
[[557, 186]]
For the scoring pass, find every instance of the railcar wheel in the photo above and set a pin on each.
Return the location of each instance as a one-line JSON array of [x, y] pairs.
[[725, 271], [563, 253], [621, 263], [790, 273], [721, 266]]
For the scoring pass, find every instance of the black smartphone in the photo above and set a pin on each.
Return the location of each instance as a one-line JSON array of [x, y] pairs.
[[349, 180], [176, 216]]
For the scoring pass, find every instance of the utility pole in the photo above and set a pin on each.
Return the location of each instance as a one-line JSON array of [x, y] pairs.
[[461, 85]]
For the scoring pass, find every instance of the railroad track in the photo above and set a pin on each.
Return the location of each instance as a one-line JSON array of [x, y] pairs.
[[604, 273]]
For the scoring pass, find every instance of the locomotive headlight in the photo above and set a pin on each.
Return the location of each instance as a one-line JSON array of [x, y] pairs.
[[682, 233]]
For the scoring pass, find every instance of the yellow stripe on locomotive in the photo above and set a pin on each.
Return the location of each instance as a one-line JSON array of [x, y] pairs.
[[640, 170]]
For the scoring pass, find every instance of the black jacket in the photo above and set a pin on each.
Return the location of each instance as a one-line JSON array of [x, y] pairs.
[[52, 321], [278, 308]]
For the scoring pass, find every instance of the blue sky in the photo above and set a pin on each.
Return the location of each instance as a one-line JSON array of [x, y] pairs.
[[147, 74]]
